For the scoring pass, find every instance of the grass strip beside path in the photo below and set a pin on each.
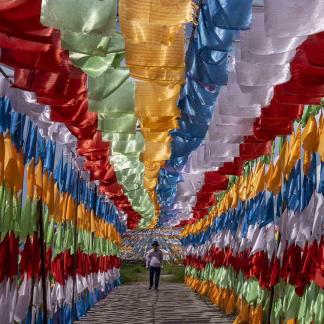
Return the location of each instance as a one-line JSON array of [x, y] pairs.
[[134, 273]]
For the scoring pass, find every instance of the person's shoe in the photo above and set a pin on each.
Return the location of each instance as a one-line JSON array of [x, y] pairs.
[[156, 289], [149, 288]]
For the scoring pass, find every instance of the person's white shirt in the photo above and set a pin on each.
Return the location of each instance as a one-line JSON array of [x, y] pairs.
[[154, 258]]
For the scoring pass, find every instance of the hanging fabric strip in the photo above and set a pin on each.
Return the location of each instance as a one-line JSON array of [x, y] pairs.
[[59, 191], [206, 71], [245, 247], [154, 37], [98, 50]]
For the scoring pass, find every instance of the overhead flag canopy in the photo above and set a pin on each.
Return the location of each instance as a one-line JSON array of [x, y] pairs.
[[124, 120], [136, 244]]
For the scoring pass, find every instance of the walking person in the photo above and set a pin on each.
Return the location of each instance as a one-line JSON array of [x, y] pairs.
[[154, 259]]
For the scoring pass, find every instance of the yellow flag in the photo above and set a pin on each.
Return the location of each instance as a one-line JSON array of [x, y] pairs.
[[310, 141], [39, 178], [11, 174], [224, 298], [200, 226], [156, 151], [248, 189], [155, 52], [242, 187], [260, 181], [275, 181], [2, 154], [269, 174], [92, 222], [310, 137], [221, 207], [283, 156], [256, 315], [230, 307], [45, 185], [291, 321], [227, 201], [307, 161], [57, 211], [294, 155], [184, 231], [30, 179], [166, 12], [50, 194], [21, 171], [88, 220], [243, 316], [235, 195], [70, 208], [63, 202], [320, 148], [80, 215], [257, 180]]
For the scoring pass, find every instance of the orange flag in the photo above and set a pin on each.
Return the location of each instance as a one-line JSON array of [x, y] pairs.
[[11, 174]]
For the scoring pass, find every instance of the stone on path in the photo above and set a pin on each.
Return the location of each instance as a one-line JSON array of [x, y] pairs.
[[173, 304]]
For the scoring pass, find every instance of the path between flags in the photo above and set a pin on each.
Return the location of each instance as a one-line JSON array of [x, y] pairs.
[[174, 303]]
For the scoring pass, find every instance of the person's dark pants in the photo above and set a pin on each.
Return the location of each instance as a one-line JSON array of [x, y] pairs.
[[155, 275]]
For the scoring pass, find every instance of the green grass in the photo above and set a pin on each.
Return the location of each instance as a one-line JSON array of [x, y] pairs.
[[132, 273], [177, 272]]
